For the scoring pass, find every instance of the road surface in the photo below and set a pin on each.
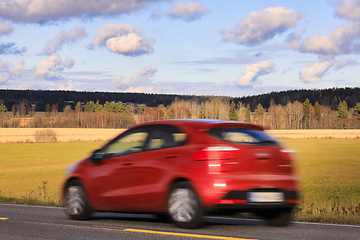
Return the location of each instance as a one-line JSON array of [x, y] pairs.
[[35, 222]]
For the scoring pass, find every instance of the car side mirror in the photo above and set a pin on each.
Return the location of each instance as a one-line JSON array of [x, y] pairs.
[[97, 155]]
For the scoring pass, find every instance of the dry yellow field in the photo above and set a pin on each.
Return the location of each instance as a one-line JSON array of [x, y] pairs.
[[316, 133], [19, 135]]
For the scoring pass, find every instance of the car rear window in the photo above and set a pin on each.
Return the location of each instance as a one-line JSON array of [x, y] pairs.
[[243, 136]]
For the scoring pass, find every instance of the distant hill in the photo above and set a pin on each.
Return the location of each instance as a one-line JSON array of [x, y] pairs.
[[326, 97]]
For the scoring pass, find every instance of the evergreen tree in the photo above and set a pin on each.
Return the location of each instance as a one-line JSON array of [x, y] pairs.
[[248, 113], [202, 111], [89, 107], [357, 111], [78, 107], [67, 109], [233, 116], [317, 110], [306, 116], [343, 110], [2, 107]]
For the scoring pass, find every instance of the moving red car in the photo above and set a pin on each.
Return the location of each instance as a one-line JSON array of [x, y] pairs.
[[186, 169]]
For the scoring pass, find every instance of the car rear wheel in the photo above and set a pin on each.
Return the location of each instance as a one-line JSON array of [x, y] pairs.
[[184, 206], [279, 219], [76, 204]]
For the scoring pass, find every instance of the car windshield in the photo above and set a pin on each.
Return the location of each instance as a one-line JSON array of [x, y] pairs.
[[243, 136]]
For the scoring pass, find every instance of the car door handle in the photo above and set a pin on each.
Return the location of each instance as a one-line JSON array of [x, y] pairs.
[[172, 156], [128, 163]]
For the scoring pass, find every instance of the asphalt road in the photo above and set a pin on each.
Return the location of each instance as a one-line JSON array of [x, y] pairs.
[[34, 222]]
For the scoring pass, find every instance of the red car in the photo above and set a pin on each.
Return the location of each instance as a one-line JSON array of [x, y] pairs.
[[186, 169]]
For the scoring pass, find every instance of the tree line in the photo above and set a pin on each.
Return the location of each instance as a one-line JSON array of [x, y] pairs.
[[329, 98], [293, 115]]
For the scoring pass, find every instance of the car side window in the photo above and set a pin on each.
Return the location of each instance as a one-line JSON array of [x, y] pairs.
[[165, 137], [130, 143]]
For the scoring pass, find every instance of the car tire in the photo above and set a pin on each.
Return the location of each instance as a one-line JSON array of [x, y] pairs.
[[185, 208], [279, 219], [76, 203]]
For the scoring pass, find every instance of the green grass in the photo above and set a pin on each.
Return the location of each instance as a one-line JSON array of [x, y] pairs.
[[329, 171], [35, 171]]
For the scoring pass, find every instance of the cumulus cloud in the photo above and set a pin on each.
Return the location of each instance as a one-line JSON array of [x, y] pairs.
[[61, 38], [10, 48], [5, 28], [125, 82], [40, 11], [50, 68], [69, 63], [349, 9], [313, 73], [342, 40], [67, 86], [190, 11], [293, 39], [151, 89], [253, 72], [263, 25], [8, 73], [123, 39]]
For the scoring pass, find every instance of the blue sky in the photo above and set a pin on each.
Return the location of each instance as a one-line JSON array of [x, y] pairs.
[[227, 48]]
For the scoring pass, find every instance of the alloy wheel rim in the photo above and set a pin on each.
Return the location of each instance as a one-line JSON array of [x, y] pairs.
[[182, 205], [75, 203]]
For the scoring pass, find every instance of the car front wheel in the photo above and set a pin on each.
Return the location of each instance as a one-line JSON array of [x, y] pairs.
[[185, 208], [76, 204]]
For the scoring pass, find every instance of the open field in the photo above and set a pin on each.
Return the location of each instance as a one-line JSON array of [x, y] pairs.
[[26, 135], [23, 135], [316, 133], [329, 170]]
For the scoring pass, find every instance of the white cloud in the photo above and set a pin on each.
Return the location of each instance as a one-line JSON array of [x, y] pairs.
[[28, 85], [341, 64], [8, 73], [125, 82], [51, 67], [253, 72], [313, 73], [39, 11], [294, 39], [123, 39], [349, 9], [69, 63], [67, 86], [190, 11], [341, 40], [263, 25], [18, 70], [61, 38], [151, 89], [5, 28]]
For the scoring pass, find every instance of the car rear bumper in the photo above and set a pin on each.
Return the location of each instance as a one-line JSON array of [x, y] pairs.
[[238, 201]]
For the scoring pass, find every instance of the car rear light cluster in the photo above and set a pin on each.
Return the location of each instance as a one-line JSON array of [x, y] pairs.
[[286, 157], [220, 158]]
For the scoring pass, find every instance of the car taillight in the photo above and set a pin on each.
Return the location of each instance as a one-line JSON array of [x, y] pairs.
[[286, 157], [219, 158]]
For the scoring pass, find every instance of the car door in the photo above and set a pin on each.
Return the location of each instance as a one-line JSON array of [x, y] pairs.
[[148, 176], [110, 175]]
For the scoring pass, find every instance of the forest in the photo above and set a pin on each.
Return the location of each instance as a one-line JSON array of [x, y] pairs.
[[329, 98], [293, 115]]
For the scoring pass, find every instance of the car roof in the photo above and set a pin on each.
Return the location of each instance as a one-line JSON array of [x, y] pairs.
[[202, 124]]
